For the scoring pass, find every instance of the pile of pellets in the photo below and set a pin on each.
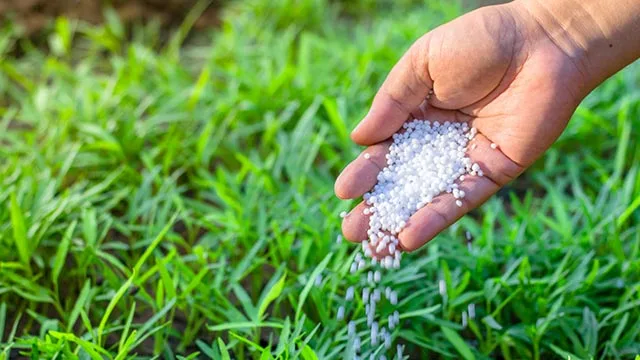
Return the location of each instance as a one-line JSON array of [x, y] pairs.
[[425, 160]]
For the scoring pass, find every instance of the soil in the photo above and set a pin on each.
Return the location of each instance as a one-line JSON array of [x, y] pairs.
[[35, 15]]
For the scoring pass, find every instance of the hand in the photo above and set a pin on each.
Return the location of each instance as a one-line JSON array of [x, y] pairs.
[[496, 68]]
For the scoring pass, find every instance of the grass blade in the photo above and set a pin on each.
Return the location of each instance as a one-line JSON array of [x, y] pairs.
[[61, 254], [20, 233], [136, 270], [223, 350], [3, 319], [244, 325], [127, 327], [458, 343], [307, 288], [272, 291], [80, 303]]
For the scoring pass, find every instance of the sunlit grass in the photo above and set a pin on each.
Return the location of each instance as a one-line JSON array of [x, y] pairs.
[[178, 200]]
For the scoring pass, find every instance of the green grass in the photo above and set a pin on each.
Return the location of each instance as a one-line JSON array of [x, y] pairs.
[[170, 200]]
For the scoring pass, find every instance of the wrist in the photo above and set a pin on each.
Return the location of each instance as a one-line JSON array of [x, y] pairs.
[[598, 37]]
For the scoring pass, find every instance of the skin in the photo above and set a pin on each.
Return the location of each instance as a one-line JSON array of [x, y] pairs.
[[516, 72]]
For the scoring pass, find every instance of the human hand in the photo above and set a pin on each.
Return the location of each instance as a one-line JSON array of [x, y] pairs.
[[506, 71]]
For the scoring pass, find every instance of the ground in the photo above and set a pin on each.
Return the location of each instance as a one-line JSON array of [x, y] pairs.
[[35, 15], [176, 199]]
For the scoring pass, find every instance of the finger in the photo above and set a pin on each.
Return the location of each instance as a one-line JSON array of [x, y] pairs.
[[356, 224], [436, 216], [422, 111], [495, 165], [443, 211], [481, 57], [404, 89], [362, 173]]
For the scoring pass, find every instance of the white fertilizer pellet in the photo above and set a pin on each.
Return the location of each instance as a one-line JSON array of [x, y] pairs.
[[374, 333], [442, 288], [354, 268], [349, 295], [393, 298], [391, 322], [425, 160]]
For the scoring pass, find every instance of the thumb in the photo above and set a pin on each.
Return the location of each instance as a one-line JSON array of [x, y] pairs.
[[405, 88]]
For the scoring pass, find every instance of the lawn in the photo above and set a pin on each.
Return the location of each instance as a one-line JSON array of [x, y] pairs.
[[172, 195]]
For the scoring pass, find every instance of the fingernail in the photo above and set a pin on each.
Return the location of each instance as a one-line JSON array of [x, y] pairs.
[[359, 124], [356, 128]]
